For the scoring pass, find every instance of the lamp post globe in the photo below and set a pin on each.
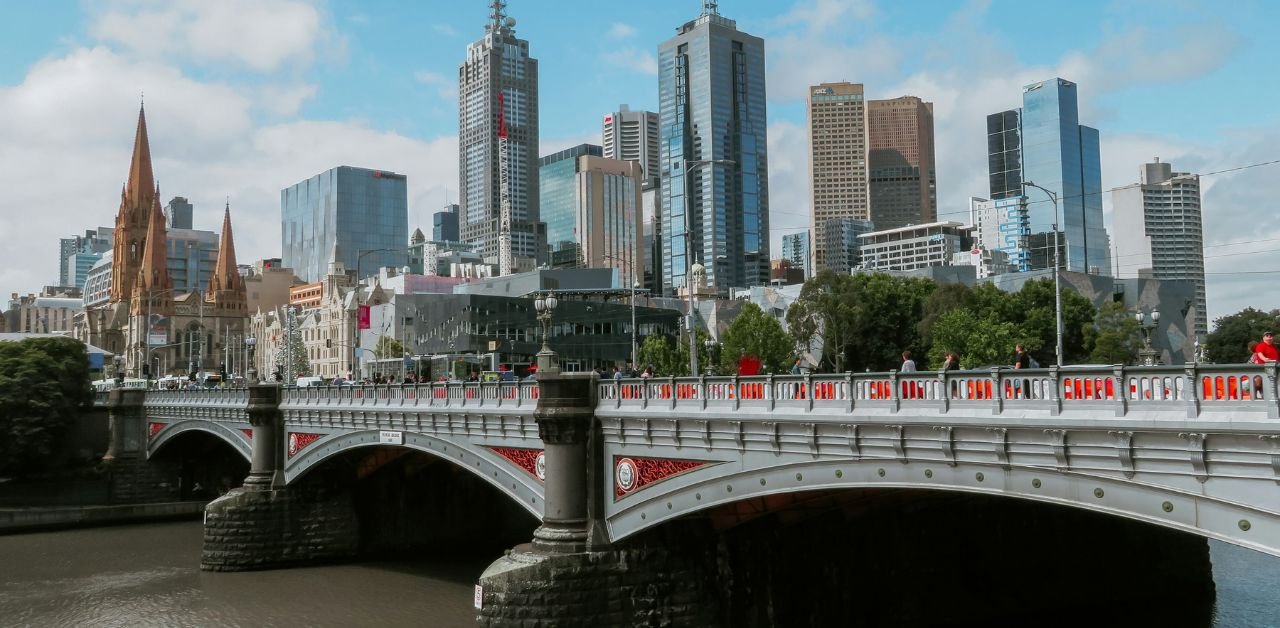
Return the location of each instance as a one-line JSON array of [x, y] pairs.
[[252, 373]]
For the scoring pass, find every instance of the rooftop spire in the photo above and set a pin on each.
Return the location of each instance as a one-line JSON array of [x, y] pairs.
[[141, 179], [225, 275], [710, 7], [153, 275], [498, 19]]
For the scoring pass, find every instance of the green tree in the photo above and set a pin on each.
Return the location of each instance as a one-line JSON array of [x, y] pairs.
[[862, 321], [1114, 335], [980, 340], [44, 386], [820, 319], [388, 347], [945, 298], [1032, 309], [670, 356], [1233, 335], [755, 333]]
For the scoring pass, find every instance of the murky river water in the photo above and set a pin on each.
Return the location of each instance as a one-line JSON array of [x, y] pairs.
[[148, 575]]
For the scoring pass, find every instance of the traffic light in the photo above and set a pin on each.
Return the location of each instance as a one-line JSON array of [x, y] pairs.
[[222, 370]]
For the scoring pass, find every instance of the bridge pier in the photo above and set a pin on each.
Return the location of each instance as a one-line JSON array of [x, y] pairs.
[[264, 524], [132, 478]]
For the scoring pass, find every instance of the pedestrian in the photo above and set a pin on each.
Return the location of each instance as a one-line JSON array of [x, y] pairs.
[[951, 362], [795, 368], [617, 374], [908, 365], [1266, 350], [648, 372], [1020, 358]]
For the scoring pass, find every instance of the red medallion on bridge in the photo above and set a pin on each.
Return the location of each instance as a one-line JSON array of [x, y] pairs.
[[248, 433], [534, 461], [153, 429], [630, 474], [299, 441]]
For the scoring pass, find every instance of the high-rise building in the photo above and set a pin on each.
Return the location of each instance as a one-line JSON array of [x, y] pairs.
[[498, 88], [711, 90], [795, 249], [632, 136], [1159, 231], [914, 247], [77, 254], [1003, 225], [841, 243], [652, 238], [593, 210], [444, 224], [558, 202], [1044, 143], [901, 177], [837, 168], [341, 213], [177, 214]]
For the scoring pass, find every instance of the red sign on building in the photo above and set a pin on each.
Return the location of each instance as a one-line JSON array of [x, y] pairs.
[[363, 317]]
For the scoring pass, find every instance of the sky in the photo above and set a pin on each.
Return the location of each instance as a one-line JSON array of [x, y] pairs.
[[246, 97]]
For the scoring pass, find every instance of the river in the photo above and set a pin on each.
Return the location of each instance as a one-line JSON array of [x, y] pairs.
[[148, 575]]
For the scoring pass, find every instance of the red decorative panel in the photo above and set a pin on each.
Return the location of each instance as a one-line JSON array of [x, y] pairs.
[[248, 433], [299, 441], [630, 474], [531, 460], [154, 428]]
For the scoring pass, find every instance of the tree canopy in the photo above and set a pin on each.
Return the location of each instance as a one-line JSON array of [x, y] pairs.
[[1232, 335], [1115, 335], [44, 385], [756, 334]]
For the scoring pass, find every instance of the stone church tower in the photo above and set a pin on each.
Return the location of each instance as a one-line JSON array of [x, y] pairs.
[[139, 200]]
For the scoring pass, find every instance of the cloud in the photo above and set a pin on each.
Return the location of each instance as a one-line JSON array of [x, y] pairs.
[[253, 35], [819, 16], [446, 87], [444, 29], [620, 31], [633, 59]]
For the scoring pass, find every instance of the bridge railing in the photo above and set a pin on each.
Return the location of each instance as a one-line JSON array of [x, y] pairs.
[[1186, 387], [439, 394]]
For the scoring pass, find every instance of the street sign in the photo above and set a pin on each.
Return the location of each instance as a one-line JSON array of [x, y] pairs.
[[390, 438], [493, 345], [479, 597]]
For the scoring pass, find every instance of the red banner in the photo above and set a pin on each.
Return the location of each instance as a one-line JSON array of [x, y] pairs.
[[362, 317]]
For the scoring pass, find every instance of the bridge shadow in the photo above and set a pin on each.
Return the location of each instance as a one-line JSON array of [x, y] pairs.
[[900, 557]]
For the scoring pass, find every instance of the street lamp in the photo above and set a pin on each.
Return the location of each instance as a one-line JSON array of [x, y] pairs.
[[355, 342], [1057, 286], [711, 356], [545, 304], [252, 373], [1149, 355], [690, 165]]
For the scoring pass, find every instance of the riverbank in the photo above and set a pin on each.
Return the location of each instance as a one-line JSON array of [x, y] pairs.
[[22, 520]]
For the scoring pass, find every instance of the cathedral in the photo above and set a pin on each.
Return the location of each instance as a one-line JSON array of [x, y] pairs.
[[151, 329]]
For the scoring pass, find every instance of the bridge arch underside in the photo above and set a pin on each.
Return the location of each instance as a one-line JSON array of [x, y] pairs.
[[513, 482], [168, 431], [1181, 504], [198, 459], [411, 498]]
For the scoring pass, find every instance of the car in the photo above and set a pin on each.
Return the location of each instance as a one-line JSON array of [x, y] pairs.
[[308, 382]]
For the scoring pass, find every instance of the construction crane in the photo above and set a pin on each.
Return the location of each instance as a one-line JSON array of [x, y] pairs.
[[505, 262]]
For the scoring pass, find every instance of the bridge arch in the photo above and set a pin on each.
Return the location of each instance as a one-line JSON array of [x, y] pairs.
[[237, 439], [1184, 510], [518, 485]]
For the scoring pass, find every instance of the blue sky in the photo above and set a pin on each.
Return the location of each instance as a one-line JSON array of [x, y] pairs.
[[245, 98]]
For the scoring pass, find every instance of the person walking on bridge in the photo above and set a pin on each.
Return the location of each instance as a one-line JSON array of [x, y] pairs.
[[908, 365], [1266, 351]]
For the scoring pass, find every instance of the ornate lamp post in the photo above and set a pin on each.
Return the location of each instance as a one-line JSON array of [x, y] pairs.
[[1148, 354], [252, 374], [119, 362], [547, 360], [711, 356]]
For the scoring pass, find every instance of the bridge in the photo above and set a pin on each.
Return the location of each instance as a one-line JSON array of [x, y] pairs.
[[1195, 449]]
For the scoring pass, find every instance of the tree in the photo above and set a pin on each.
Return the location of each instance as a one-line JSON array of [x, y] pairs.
[[945, 298], [757, 334], [44, 385], [980, 340], [388, 347], [670, 357], [1233, 335], [820, 317], [292, 350], [1114, 335]]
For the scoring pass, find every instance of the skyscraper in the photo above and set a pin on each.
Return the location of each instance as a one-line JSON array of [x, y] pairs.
[[901, 177], [499, 72], [444, 224], [711, 90], [177, 214], [632, 136], [837, 168], [795, 249], [558, 202], [341, 212], [77, 254], [1159, 232], [1044, 143]]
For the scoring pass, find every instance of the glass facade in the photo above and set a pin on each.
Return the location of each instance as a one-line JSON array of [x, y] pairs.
[[711, 93], [1059, 154], [795, 249], [444, 224], [192, 255], [558, 201], [341, 212]]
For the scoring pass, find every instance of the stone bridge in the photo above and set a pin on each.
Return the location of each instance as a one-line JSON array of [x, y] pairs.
[[1194, 449]]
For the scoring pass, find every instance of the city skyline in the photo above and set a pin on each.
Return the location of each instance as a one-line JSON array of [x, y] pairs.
[[235, 119]]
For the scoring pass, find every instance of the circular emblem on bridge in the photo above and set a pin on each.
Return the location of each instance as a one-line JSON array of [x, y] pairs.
[[626, 474], [540, 466]]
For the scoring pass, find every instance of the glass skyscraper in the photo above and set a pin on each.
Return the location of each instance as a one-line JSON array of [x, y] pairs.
[[340, 212], [1044, 143], [558, 201], [711, 94], [795, 249]]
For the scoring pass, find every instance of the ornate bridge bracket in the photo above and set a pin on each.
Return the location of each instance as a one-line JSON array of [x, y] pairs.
[[1124, 448], [775, 436], [1275, 454], [897, 434], [812, 430], [706, 434], [1001, 445], [740, 435], [851, 439], [947, 443], [1195, 451], [1059, 448]]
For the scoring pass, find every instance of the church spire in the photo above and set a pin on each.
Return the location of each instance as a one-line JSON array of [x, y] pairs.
[[138, 195], [226, 286], [141, 181], [153, 285]]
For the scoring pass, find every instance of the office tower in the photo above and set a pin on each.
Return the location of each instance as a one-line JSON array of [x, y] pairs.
[[841, 243], [499, 72], [1002, 225], [1159, 231], [711, 86], [444, 224], [1044, 143], [632, 136], [341, 213], [177, 214], [901, 178], [652, 239], [914, 247], [837, 168], [558, 202], [593, 211], [795, 249], [77, 254]]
